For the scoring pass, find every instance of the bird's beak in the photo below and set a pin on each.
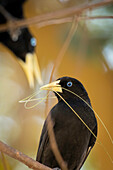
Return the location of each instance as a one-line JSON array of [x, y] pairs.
[[31, 69], [54, 86]]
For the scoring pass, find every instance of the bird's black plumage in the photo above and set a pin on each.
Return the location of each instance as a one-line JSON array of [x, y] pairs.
[[73, 138], [20, 40]]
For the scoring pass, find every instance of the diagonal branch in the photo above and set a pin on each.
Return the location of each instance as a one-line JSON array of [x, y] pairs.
[[65, 46], [69, 19], [22, 157], [53, 143], [4, 12], [71, 11]]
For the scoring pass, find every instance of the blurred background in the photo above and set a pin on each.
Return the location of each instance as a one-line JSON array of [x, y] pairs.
[[89, 59]]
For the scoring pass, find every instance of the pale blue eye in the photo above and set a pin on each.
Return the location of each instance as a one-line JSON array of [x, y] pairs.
[[69, 84], [33, 41]]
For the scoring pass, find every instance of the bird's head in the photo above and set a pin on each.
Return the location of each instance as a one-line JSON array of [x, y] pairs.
[[20, 44], [67, 87], [23, 46]]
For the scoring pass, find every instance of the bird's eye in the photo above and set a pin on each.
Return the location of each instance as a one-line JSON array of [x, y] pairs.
[[69, 84], [33, 41]]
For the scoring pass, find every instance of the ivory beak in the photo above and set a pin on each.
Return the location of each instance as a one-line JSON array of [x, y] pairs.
[[31, 69], [54, 86]]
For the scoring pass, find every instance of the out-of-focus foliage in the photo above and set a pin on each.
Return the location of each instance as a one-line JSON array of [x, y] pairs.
[[89, 59]]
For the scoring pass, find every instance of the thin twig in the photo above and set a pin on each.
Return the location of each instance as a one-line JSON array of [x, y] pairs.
[[54, 22], [68, 20], [22, 157], [55, 15], [54, 145], [65, 46], [95, 17], [6, 14]]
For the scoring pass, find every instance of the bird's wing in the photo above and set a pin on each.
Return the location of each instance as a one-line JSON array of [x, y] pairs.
[[43, 141], [90, 146]]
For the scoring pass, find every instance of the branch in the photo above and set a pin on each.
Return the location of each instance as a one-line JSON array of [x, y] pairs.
[[53, 143], [65, 46], [4, 12], [71, 11], [22, 157], [69, 19]]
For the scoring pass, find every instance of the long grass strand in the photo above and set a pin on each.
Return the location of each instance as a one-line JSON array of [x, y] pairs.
[[99, 142], [93, 111]]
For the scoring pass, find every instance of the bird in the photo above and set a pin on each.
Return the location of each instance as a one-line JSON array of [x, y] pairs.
[[20, 41], [74, 139]]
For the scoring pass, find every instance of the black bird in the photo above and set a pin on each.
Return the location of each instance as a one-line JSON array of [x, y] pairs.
[[19, 41], [73, 138]]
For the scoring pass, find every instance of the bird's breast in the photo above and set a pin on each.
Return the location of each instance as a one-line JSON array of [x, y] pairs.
[[64, 115], [71, 135]]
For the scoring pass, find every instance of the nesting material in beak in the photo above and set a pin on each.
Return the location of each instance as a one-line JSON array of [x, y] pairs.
[[54, 86], [31, 69]]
